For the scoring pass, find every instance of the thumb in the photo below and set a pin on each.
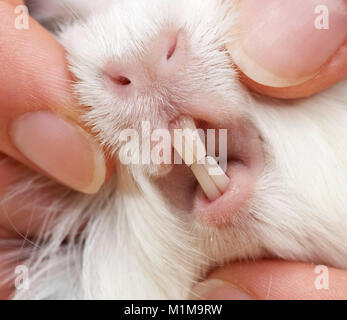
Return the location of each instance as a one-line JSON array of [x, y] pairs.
[[273, 280], [291, 49], [39, 118]]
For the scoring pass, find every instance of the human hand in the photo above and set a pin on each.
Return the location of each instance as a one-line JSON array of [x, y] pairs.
[[39, 129], [38, 117], [283, 49], [273, 280]]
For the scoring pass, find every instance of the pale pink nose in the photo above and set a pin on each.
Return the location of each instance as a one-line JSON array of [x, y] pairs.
[[163, 57]]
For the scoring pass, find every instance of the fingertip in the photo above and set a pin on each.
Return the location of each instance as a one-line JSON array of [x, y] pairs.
[[282, 280], [331, 73], [10, 171], [32, 129], [285, 44], [216, 289], [14, 2], [61, 149]]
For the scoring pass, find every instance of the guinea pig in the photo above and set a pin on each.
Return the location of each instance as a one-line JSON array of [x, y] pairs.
[[150, 232]]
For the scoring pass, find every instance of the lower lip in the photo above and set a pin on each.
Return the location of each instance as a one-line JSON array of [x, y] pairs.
[[221, 211]]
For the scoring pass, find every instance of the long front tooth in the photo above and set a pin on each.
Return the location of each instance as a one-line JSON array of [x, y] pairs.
[[205, 181], [217, 174], [189, 146], [187, 141], [212, 179]]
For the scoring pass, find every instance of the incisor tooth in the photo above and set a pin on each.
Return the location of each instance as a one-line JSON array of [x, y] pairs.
[[187, 141], [217, 174], [205, 181], [189, 146]]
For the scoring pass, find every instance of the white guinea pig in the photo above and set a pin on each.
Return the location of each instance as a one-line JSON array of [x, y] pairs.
[[151, 233]]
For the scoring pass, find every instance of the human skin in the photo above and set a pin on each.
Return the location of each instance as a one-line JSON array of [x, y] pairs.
[[38, 111]]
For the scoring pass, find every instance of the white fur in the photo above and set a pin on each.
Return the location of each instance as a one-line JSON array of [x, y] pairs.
[[135, 244]]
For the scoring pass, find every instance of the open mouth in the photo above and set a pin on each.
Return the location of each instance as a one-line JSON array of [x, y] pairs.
[[245, 162], [245, 156]]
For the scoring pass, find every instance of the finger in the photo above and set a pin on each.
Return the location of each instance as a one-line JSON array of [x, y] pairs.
[[25, 214], [334, 71], [291, 49], [19, 216], [38, 113], [6, 269], [13, 255], [274, 280], [10, 171], [14, 2]]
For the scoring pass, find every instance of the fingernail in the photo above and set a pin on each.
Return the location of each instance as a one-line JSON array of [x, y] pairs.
[[61, 149], [283, 43], [218, 290]]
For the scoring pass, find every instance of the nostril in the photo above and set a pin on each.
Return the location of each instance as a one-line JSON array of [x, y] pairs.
[[171, 52], [115, 82], [172, 49], [120, 80]]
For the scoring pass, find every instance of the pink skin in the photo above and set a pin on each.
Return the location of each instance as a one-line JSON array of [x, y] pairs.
[[300, 42], [163, 59], [11, 171], [27, 135]]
